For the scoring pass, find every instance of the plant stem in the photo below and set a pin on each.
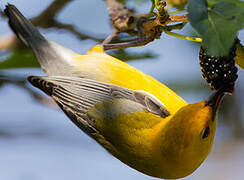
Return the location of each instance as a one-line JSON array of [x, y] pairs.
[[195, 39], [152, 7], [176, 11]]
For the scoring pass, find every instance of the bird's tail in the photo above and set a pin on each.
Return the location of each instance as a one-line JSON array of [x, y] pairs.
[[52, 57]]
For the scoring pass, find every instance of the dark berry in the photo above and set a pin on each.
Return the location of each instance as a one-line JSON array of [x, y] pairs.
[[219, 72]]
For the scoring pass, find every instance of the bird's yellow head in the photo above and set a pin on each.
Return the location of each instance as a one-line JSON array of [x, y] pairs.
[[188, 137]]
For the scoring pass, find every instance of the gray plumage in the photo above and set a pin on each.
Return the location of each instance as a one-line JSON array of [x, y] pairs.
[[52, 57]]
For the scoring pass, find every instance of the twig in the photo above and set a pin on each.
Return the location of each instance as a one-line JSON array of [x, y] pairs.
[[21, 82], [74, 31], [46, 18], [178, 18]]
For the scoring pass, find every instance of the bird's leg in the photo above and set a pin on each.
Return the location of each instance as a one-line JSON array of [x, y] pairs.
[[111, 37], [133, 43]]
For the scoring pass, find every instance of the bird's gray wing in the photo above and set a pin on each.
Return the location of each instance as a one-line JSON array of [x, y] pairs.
[[76, 96]]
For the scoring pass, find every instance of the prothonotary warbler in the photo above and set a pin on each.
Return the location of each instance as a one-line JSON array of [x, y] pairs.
[[133, 116]]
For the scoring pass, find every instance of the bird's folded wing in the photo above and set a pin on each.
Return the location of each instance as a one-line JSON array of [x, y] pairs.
[[77, 95]]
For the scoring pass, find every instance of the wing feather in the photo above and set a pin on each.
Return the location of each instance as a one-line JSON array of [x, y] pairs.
[[77, 95]]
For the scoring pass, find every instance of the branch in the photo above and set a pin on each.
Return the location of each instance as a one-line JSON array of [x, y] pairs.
[[21, 82], [142, 25], [45, 19], [74, 31]]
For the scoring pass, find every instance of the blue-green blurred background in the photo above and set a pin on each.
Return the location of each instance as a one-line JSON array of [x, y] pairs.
[[38, 142]]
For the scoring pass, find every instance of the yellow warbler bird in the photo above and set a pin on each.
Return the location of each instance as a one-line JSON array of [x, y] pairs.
[[134, 117]]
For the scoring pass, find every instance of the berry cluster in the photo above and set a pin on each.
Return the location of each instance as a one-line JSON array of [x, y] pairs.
[[219, 72]]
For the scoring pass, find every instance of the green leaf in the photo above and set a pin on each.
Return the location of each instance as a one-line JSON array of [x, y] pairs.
[[218, 25], [236, 2], [23, 58]]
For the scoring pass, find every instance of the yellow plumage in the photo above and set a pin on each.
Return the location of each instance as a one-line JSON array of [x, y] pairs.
[[98, 65], [157, 146], [239, 58]]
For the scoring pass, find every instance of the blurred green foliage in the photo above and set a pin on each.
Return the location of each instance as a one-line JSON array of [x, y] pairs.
[[20, 58]]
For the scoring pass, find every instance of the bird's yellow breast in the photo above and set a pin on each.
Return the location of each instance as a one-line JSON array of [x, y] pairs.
[[130, 137]]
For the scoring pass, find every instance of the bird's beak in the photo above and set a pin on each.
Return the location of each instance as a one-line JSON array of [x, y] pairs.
[[214, 100]]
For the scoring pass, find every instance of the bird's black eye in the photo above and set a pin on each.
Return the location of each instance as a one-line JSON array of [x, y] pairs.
[[206, 132]]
